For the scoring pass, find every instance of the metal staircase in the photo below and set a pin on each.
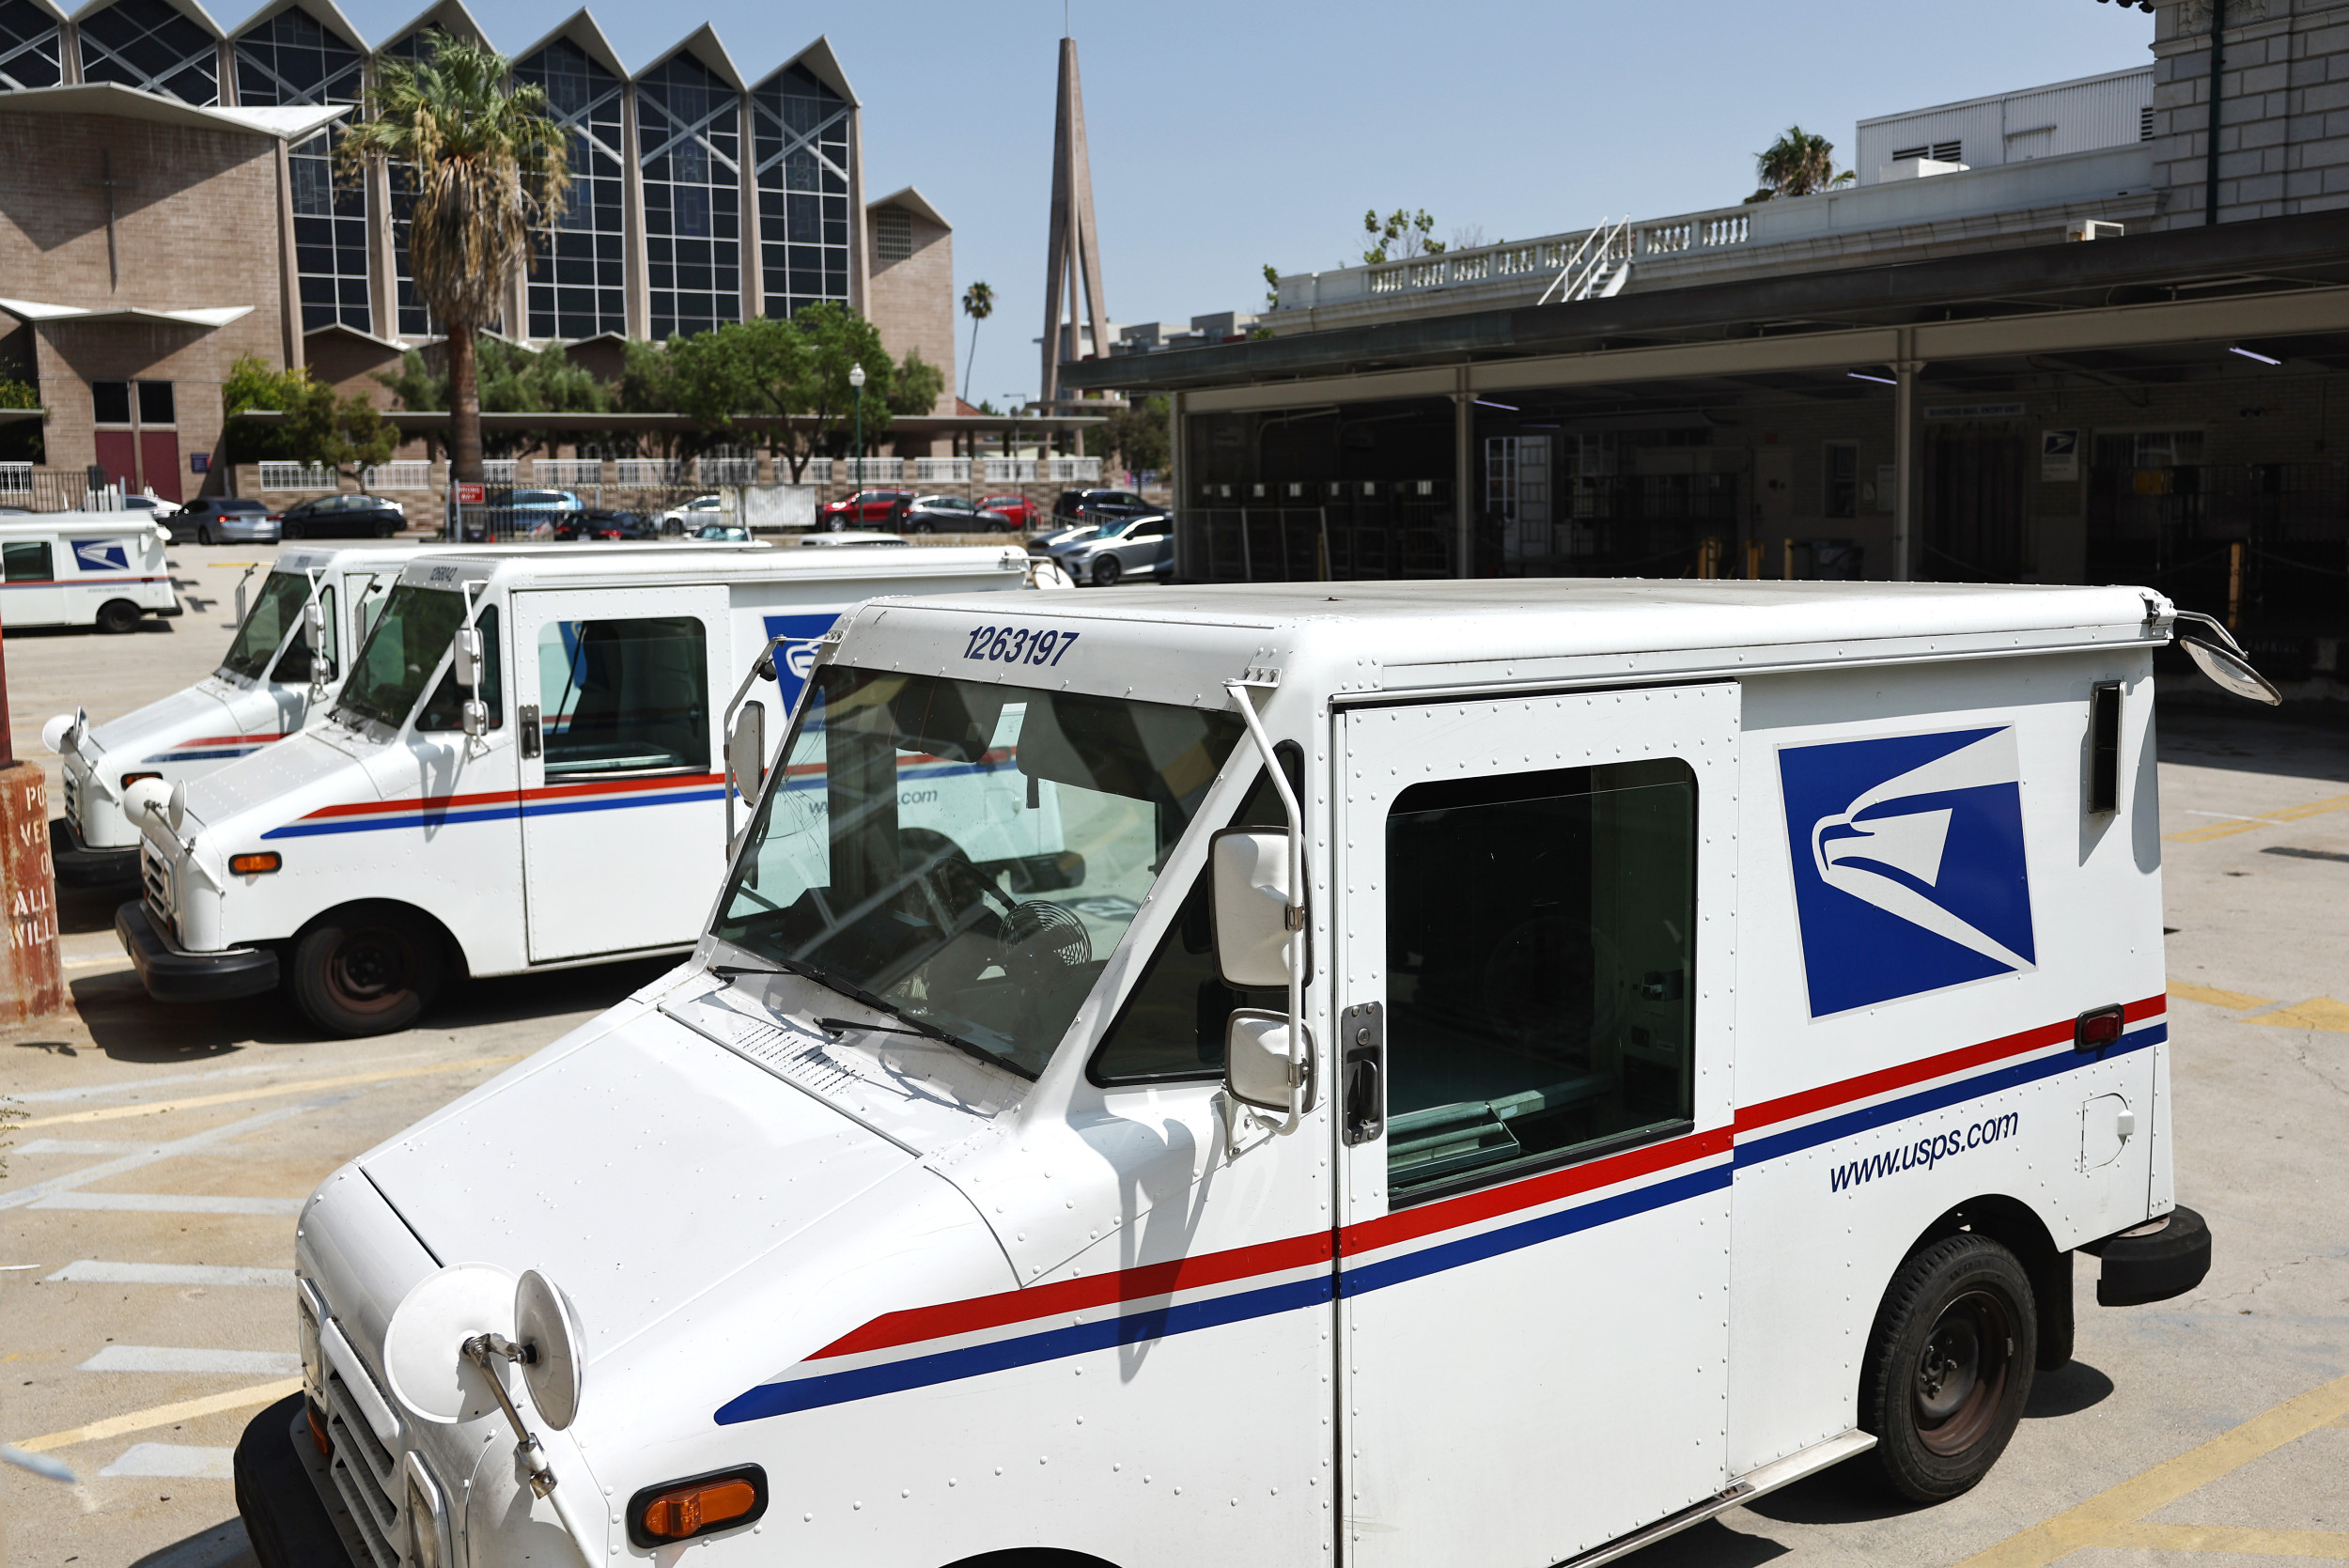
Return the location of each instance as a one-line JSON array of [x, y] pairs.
[[1599, 267]]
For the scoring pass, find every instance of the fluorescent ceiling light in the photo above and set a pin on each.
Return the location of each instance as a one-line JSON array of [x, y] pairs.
[[2253, 353], [1863, 376], [1489, 403]]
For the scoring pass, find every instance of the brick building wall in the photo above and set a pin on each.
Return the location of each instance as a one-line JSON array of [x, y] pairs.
[[2283, 137], [912, 299], [197, 227]]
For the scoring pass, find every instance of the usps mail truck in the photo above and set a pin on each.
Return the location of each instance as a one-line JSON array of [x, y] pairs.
[[285, 661], [521, 770], [1522, 1069], [104, 569]]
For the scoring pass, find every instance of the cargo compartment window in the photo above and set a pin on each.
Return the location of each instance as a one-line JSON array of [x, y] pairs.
[[1540, 957], [624, 696], [27, 561]]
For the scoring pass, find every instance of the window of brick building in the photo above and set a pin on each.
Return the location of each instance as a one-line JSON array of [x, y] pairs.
[[800, 146]]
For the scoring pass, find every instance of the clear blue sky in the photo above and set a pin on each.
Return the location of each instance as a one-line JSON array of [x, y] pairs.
[[1225, 135]]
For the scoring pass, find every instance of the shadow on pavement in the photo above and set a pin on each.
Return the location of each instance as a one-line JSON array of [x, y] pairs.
[[2066, 1391], [81, 911], [1710, 1545], [130, 1026], [2298, 744], [1846, 1495], [224, 1545]]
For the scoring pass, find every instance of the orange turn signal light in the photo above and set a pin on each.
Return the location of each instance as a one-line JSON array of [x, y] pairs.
[[253, 865], [129, 779], [682, 1509], [318, 1429]]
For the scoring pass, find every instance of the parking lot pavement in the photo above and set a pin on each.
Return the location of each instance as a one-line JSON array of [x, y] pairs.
[[146, 1226]]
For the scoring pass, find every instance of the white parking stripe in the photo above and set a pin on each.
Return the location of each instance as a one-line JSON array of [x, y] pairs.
[[167, 1203], [83, 1146], [99, 1091], [163, 1357], [173, 1462], [150, 1153], [101, 1271]]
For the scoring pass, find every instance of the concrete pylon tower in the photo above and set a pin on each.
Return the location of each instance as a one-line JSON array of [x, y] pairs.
[[1073, 259]]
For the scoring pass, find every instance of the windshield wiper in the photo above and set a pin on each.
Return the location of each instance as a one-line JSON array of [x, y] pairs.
[[921, 1027]]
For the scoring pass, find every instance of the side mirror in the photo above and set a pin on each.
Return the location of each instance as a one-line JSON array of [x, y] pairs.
[[468, 661], [2230, 671], [746, 752], [1256, 1062], [314, 624], [475, 716], [1251, 871]]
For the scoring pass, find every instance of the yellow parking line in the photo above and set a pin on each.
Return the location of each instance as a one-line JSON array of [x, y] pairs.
[[2212, 995], [117, 1113], [2273, 819], [2219, 1537], [164, 1415], [2094, 1522], [2316, 1013]]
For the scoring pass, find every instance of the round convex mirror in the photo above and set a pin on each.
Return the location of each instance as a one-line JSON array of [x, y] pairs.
[[547, 1331], [424, 1357], [2229, 671]]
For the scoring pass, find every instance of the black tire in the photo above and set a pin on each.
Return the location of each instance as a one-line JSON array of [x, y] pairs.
[[1107, 570], [368, 969], [117, 616], [1950, 1366], [918, 525], [204, 534]]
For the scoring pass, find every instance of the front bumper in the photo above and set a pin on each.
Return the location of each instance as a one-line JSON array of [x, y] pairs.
[[171, 975], [288, 1500], [82, 866], [2153, 1262]]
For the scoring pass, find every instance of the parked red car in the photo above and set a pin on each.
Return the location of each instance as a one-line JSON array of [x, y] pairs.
[[865, 508], [1024, 513]]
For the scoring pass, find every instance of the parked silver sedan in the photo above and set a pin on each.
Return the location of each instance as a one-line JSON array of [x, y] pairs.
[[1142, 547]]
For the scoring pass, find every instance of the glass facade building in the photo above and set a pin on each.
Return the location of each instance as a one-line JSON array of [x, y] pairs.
[[577, 283], [292, 58], [689, 128], [799, 137]]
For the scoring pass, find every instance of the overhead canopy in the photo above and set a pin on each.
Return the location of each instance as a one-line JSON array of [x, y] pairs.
[[207, 317], [292, 124], [2147, 308], [434, 421]]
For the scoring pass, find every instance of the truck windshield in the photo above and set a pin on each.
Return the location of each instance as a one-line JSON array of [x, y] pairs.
[[401, 653], [274, 612], [967, 855]]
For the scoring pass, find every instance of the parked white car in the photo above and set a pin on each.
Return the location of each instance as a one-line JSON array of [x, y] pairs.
[[693, 514]]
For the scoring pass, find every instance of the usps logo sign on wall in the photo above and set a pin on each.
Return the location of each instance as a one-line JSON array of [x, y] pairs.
[[101, 555], [1908, 865]]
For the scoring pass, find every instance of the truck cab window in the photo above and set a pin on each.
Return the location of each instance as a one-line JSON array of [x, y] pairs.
[[1172, 1025], [624, 696], [445, 709], [276, 608], [299, 662], [27, 561], [1540, 953]]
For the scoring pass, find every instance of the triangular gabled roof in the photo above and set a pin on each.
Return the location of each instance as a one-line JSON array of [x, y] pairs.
[[338, 328], [324, 12], [912, 201], [582, 30], [188, 9], [818, 61], [449, 16], [705, 45]]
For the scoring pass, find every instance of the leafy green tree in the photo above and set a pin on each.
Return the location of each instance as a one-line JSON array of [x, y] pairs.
[[513, 379], [1799, 164], [1137, 435], [913, 389], [1399, 235], [489, 169], [978, 302], [20, 439], [1271, 286]]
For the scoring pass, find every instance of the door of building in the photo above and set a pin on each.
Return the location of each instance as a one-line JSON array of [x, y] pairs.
[[1535, 1263], [1975, 512], [618, 792]]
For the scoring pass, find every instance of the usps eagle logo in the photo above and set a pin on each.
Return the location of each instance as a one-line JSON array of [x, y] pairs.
[[1909, 873], [795, 656], [101, 555]]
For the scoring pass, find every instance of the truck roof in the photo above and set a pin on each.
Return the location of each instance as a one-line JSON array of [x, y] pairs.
[[594, 567], [1417, 635]]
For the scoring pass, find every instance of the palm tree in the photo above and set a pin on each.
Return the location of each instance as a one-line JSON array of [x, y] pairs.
[[978, 302], [490, 168], [1799, 164]]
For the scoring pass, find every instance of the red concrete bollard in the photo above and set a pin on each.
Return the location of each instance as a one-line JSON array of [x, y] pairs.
[[31, 976]]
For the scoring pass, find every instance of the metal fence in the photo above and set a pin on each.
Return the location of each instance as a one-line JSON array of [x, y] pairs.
[[404, 475], [2262, 546], [298, 476], [56, 490]]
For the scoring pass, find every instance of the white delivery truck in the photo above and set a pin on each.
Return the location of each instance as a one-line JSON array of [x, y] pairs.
[[1644, 1043], [445, 815], [270, 680], [104, 569]]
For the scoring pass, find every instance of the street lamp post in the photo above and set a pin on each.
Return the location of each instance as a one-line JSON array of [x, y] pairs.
[[856, 380]]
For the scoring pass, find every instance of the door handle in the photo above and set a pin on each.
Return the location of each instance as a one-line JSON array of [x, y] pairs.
[[528, 715], [1362, 1028]]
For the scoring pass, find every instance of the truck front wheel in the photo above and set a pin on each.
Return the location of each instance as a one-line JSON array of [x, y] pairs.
[[1949, 1366], [368, 969]]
